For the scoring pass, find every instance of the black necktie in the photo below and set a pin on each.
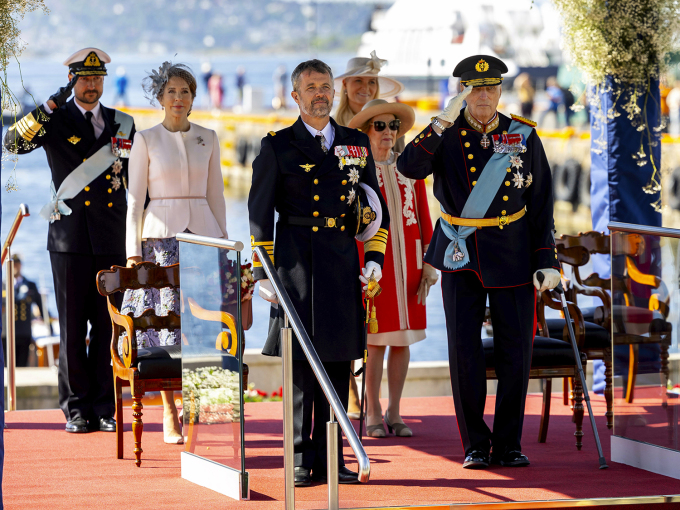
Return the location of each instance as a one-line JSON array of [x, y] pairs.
[[322, 141], [88, 118]]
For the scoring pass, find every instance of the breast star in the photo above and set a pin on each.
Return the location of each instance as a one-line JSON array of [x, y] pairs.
[[518, 180], [516, 162]]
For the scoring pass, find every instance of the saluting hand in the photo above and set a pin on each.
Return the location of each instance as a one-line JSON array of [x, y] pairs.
[[452, 110], [60, 97]]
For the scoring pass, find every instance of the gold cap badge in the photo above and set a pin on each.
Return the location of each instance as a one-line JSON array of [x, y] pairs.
[[482, 66], [92, 60]]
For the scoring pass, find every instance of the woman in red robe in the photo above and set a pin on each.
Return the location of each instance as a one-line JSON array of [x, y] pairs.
[[406, 280]]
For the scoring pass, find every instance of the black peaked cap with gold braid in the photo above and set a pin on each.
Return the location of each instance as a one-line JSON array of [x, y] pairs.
[[88, 62], [480, 71]]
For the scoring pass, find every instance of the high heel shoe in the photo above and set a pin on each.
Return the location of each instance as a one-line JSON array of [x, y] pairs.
[[375, 430], [170, 434], [400, 429]]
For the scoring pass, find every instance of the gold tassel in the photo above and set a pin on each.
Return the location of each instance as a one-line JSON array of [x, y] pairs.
[[373, 322]]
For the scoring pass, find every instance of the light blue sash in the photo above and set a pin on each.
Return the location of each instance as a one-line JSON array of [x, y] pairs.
[[478, 202], [84, 173]]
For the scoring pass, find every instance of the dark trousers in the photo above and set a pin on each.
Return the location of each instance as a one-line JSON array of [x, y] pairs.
[[512, 316], [85, 374], [308, 400], [22, 345]]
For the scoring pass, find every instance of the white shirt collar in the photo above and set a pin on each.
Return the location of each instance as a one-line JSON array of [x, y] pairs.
[[328, 132], [96, 111]]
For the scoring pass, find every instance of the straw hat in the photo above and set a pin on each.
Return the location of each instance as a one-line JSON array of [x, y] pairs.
[[361, 66], [379, 106]]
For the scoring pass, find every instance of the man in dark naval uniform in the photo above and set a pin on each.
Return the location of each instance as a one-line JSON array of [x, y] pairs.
[[493, 182], [87, 146], [25, 296], [312, 174]]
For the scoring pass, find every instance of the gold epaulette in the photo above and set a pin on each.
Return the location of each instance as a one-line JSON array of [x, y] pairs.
[[524, 120], [268, 246], [378, 242]]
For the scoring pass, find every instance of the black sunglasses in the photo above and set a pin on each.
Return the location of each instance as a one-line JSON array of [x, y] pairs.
[[380, 125]]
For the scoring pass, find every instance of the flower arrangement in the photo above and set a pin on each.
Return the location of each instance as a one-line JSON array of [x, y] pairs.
[[11, 47], [629, 42], [228, 278], [251, 394], [211, 395]]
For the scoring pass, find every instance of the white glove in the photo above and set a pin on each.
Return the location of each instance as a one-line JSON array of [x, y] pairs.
[[452, 110], [552, 279], [428, 279], [372, 268], [267, 292]]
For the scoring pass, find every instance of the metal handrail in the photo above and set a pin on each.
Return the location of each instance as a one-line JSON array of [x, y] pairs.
[[21, 214], [314, 361], [9, 308], [644, 229], [210, 241]]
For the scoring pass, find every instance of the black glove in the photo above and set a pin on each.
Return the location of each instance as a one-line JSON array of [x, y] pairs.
[[61, 96]]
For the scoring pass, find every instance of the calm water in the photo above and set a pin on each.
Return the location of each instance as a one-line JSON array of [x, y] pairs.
[[33, 178]]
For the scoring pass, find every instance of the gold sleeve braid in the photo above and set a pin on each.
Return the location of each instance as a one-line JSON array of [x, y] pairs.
[[27, 127], [268, 245], [378, 242]]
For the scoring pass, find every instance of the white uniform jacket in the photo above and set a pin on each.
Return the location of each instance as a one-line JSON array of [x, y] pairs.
[[181, 172]]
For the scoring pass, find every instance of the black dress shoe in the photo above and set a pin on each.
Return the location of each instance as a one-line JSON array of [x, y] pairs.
[[107, 424], [77, 426], [302, 478], [476, 459], [513, 458], [344, 476]]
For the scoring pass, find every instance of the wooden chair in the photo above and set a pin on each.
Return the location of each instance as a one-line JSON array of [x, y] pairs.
[[575, 251], [150, 369], [551, 358]]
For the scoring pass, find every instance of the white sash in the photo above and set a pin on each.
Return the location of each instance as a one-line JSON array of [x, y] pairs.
[[84, 173]]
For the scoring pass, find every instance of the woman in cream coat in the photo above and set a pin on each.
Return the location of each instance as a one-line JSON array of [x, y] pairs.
[[178, 164]]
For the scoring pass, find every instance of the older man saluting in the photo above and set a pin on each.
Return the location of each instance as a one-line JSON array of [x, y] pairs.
[[495, 232], [313, 173]]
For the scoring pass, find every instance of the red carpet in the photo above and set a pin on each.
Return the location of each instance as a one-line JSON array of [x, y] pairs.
[[47, 468]]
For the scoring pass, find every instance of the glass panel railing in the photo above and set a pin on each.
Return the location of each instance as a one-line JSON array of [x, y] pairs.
[[212, 364], [645, 312]]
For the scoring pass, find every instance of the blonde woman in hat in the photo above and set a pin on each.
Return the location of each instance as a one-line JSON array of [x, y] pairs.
[[357, 86], [406, 279], [360, 84], [177, 163]]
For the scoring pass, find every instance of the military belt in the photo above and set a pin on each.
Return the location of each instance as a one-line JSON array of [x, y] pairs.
[[498, 221], [304, 221]]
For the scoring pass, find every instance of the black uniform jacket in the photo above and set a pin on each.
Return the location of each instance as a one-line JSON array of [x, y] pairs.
[[25, 294], [319, 269], [96, 224], [501, 257]]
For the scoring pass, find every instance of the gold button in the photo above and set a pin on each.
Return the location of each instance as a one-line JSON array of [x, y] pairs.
[[470, 156], [87, 202], [85, 159], [467, 144], [108, 176], [342, 228], [474, 182], [316, 198], [110, 190], [505, 198], [344, 182], [416, 141], [507, 183], [508, 170], [316, 181], [463, 132], [315, 229], [315, 213], [342, 198], [110, 204], [503, 213], [505, 132], [342, 215], [555, 256], [473, 169], [429, 135], [87, 188]]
